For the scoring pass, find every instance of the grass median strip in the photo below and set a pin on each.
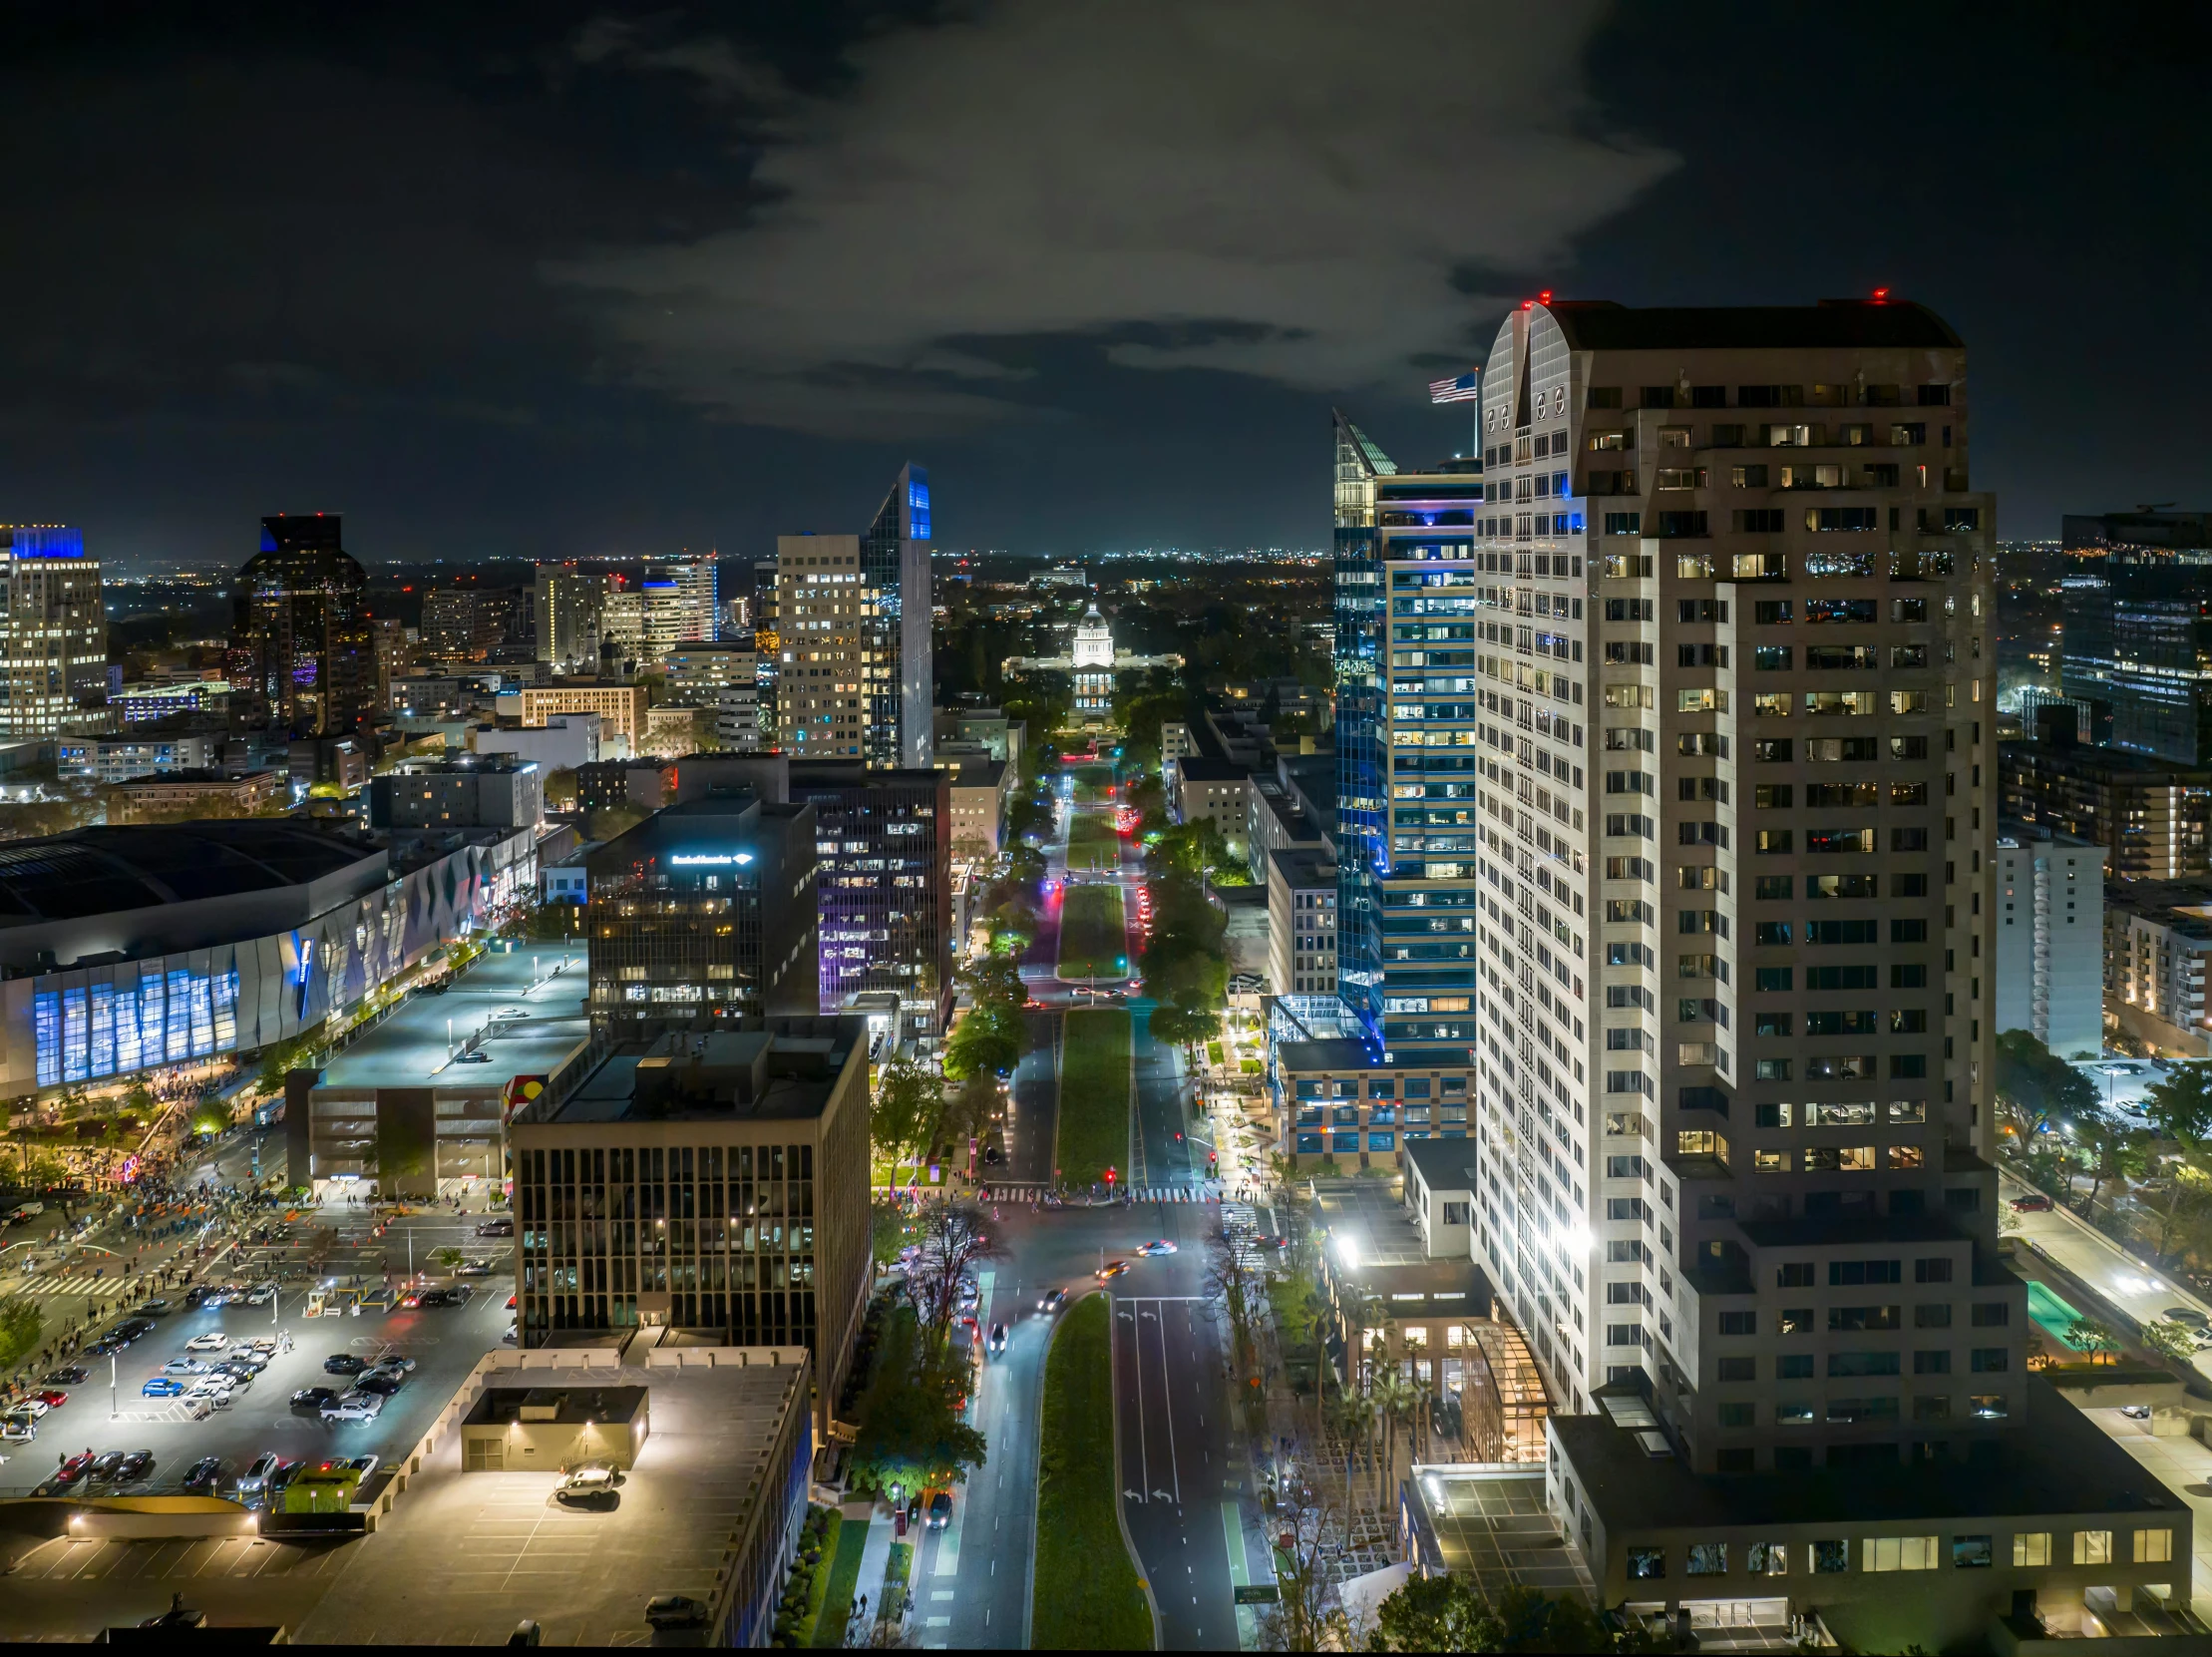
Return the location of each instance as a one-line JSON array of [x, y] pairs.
[[1088, 1596], [1094, 939], [1094, 1096], [1092, 842]]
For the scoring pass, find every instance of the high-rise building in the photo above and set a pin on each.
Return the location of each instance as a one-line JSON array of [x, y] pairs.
[[622, 621], [479, 624], [300, 654], [2137, 605], [886, 883], [2048, 891], [768, 648], [56, 632], [388, 645], [568, 601], [706, 911], [1687, 723], [692, 607], [897, 623], [821, 706]]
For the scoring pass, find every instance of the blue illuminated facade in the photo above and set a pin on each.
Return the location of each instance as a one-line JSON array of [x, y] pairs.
[[896, 626]]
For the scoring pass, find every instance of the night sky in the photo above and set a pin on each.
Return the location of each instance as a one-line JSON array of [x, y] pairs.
[[558, 279]]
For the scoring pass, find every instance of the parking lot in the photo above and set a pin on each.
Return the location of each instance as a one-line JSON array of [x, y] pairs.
[[103, 1414]]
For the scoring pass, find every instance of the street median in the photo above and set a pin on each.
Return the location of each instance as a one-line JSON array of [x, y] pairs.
[[1088, 1594], [1094, 1097]]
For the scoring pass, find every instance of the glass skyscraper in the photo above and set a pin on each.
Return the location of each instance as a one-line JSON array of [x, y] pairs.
[[300, 654], [894, 624], [1407, 764], [2139, 628]]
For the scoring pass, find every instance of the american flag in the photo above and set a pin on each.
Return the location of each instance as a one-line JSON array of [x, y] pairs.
[[1464, 389]]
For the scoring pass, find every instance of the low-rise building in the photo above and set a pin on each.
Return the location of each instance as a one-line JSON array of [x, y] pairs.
[[485, 794], [1216, 791], [2050, 897], [1175, 742], [1335, 1101], [2157, 942], [982, 790], [1301, 922], [141, 703], [565, 742], [1275, 821], [218, 792], [741, 1154], [118, 758], [621, 706], [647, 784]]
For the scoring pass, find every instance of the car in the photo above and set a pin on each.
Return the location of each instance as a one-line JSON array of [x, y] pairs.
[[1053, 1300], [472, 1268], [312, 1397], [386, 1382], [196, 1296], [156, 1308], [1163, 1246], [243, 1361], [675, 1611], [2187, 1315], [475, 1056], [68, 1374], [364, 1465], [34, 1408], [262, 1295], [51, 1396], [1115, 1269], [264, 1345], [354, 1407], [105, 1465], [214, 1341], [495, 1228], [136, 1466], [18, 1429], [204, 1475], [2136, 1412], [343, 1362], [256, 1477], [75, 1470], [285, 1474], [508, 1337], [997, 1342], [163, 1386], [395, 1361], [2034, 1202], [940, 1510]]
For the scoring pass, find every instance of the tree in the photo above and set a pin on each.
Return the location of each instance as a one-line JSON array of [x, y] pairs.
[[952, 1240], [2108, 1151], [1305, 1615], [2088, 1335], [20, 1323], [905, 1108], [1395, 1396], [2175, 1342], [610, 822], [1449, 1613], [987, 1039], [2180, 1106], [561, 788], [911, 1433], [2044, 1085]]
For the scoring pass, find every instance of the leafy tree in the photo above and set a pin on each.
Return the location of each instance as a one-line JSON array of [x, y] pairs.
[[20, 1323], [610, 822], [987, 1039], [2180, 1106], [2164, 1338], [952, 1239], [904, 1111], [2109, 1151], [1449, 1613], [2028, 1075], [2088, 1335], [910, 1433], [561, 788]]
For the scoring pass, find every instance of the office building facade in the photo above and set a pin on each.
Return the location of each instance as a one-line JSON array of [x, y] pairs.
[[300, 650], [897, 627], [56, 630], [2153, 817], [705, 911], [886, 883], [568, 600], [2137, 606], [486, 793]]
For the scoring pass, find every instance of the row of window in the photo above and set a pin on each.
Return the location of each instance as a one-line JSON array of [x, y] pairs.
[[2030, 1549]]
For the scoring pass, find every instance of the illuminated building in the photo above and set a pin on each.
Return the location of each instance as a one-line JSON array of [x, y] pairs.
[[300, 652], [2137, 597], [568, 601], [56, 633]]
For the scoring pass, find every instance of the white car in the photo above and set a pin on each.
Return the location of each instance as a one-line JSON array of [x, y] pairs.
[[354, 1407], [212, 1340], [18, 1429], [263, 1295], [35, 1408]]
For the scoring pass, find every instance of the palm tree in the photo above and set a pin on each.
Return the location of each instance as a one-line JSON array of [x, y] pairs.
[[1394, 1396]]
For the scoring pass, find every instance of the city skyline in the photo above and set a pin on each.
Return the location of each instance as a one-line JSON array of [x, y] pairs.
[[491, 360]]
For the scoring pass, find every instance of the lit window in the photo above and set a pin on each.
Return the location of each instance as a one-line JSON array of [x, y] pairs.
[[2092, 1547]]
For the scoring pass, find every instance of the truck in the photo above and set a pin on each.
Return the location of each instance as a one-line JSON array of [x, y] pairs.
[[25, 1212]]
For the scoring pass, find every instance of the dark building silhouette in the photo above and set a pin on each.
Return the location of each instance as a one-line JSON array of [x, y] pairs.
[[300, 652]]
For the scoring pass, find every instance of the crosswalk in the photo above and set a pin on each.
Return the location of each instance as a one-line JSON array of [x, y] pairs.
[[72, 1280], [1241, 1221]]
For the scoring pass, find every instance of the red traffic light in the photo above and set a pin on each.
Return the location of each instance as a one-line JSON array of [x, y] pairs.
[[1109, 1176]]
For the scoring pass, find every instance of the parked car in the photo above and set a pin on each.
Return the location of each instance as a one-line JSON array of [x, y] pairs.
[[495, 1228], [940, 1510], [472, 1268], [394, 1360], [354, 1407], [18, 1429], [2034, 1202], [343, 1362], [259, 1474], [68, 1374], [75, 1470], [386, 1382], [214, 1341], [675, 1611], [312, 1397], [53, 1396], [35, 1408], [163, 1386], [136, 1466], [204, 1475], [105, 1465]]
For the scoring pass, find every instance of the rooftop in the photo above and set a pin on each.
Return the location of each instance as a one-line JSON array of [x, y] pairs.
[[1193, 769], [782, 1069], [1604, 325], [564, 1406], [96, 871], [523, 1007], [1491, 1524], [1444, 1165], [2063, 1466]]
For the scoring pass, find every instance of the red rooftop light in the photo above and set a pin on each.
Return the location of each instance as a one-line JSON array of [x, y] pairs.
[[1880, 294], [1545, 297]]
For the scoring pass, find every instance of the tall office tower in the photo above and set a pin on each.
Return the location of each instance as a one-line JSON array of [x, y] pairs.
[[1407, 767], [886, 883], [2138, 600], [821, 710], [694, 605], [767, 646], [623, 620], [1732, 684], [449, 623], [300, 654], [388, 646], [56, 636], [897, 624], [568, 603]]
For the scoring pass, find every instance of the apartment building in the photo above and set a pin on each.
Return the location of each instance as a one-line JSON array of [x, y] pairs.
[[1301, 922], [2157, 942], [621, 707], [2152, 816], [1216, 791], [2049, 892]]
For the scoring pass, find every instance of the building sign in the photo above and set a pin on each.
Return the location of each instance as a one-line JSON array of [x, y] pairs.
[[708, 860]]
